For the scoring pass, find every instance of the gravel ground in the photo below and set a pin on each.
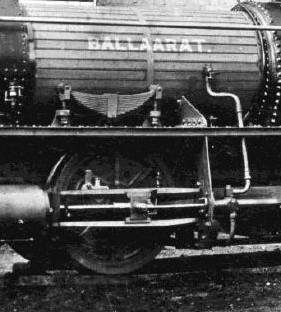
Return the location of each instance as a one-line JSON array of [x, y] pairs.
[[215, 291]]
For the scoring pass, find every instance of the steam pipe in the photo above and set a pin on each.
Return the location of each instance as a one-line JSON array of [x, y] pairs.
[[236, 99], [208, 72]]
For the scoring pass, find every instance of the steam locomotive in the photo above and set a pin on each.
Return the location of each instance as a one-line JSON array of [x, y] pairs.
[[127, 129]]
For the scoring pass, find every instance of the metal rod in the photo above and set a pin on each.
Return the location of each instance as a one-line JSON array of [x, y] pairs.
[[112, 192], [128, 206], [122, 224], [86, 21], [257, 202], [220, 203]]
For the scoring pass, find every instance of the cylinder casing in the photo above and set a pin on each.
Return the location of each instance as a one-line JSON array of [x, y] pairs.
[[23, 204]]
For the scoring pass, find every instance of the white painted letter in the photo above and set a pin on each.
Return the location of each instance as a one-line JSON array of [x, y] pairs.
[[171, 45], [119, 46], [158, 46], [131, 46], [107, 44], [185, 46], [199, 44], [93, 44], [145, 45]]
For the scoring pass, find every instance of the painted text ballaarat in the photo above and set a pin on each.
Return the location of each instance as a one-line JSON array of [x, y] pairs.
[[156, 45]]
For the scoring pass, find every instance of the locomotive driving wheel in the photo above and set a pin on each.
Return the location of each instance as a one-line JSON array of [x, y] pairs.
[[112, 250]]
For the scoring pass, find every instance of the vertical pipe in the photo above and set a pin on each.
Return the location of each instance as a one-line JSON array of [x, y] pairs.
[[208, 72]]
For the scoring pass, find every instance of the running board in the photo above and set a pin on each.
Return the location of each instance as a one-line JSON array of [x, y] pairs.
[[123, 224]]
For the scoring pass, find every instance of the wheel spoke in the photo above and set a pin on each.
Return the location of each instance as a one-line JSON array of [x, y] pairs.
[[140, 176]]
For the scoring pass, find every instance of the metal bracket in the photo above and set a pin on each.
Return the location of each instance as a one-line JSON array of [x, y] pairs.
[[190, 116], [13, 96], [62, 116], [112, 104], [208, 227], [139, 210], [155, 113]]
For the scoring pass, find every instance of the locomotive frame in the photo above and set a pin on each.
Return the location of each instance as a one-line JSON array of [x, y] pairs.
[[90, 209]]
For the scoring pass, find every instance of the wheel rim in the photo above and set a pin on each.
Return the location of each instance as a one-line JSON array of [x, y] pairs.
[[112, 251]]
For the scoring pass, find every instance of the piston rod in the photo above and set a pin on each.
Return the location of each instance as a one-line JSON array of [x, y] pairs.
[[128, 206]]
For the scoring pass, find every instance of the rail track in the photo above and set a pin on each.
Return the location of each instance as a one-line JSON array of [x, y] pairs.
[[259, 259]]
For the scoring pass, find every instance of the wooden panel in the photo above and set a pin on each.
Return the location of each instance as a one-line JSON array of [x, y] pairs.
[[207, 57], [136, 75], [202, 32], [191, 19], [193, 66], [187, 13], [91, 64], [165, 31], [84, 45], [137, 37], [101, 17], [223, 76], [198, 85], [90, 74], [94, 55], [94, 84], [129, 55]]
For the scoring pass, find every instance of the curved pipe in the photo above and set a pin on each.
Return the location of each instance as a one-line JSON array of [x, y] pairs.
[[226, 94], [247, 178]]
